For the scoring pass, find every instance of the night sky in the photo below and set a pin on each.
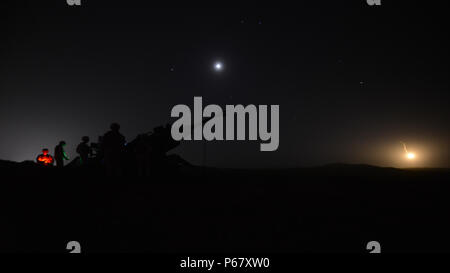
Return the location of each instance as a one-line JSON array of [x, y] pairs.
[[352, 80]]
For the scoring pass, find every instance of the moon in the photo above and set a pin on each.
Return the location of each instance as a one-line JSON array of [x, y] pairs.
[[218, 66]]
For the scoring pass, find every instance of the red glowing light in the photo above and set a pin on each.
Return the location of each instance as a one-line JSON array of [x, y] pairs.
[[45, 159]]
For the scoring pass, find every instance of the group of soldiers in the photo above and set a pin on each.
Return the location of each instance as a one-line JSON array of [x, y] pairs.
[[142, 156], [110, 148]]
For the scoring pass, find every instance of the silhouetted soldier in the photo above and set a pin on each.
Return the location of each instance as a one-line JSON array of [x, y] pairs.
[[113, 149], [96, 149], [84, 150], [45, 159], [60, 154]]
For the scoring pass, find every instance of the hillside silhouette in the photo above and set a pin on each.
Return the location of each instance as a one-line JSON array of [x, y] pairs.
[[333, 208]]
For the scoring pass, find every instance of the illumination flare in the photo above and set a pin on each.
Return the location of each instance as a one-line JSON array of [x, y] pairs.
[[409, 155]]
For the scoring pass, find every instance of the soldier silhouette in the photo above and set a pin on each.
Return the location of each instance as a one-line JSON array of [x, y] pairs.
[[84, 150], [45, 159], [60, 154], [113, 149], [96, 149]]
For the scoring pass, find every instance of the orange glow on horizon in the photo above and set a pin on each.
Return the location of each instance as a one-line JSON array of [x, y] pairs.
[[410, 156]]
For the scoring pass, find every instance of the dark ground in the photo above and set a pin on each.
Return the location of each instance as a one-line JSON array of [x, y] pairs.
[[336, 208]]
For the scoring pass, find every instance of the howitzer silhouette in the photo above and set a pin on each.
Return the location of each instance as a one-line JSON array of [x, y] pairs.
[[160, 139], [150, 150]]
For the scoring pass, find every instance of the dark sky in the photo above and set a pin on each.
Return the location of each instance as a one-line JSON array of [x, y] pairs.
[[352, 80]]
